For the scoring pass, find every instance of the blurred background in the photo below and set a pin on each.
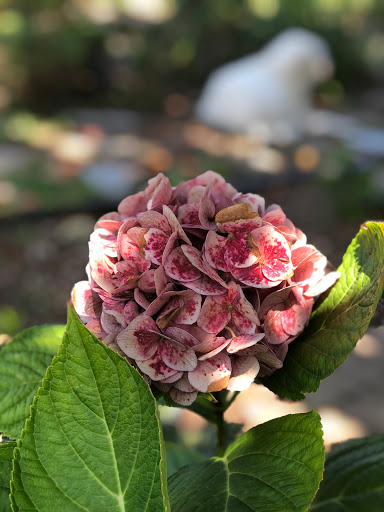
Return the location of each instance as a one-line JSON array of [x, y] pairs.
[[96, 96]]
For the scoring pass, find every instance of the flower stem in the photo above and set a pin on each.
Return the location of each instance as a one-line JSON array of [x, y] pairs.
[[221, 406], [214, 411], [221, 433]]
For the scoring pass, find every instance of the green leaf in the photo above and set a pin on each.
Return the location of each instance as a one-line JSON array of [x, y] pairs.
[[274, 467], [6, 456], [23, 363], [179, 456], [340, 320], [353, 478], [94, 440]]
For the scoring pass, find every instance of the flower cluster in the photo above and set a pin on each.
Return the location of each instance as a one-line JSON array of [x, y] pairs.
[[199, 286]]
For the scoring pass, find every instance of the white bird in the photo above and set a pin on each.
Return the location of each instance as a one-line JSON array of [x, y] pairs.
[[268, 94]]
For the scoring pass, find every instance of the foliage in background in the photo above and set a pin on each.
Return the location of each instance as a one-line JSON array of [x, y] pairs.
[[60, 52]]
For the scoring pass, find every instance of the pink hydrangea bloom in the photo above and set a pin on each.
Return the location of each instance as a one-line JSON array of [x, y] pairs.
[[199, 286]]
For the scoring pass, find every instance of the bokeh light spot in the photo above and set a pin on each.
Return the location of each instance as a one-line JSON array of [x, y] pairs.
[[306, 158]]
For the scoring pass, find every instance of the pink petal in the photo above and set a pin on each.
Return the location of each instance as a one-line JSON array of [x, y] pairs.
[[136, 235], [95, 327], [146, 283], [214, 251], [140, 339], [177, 356], [160, 301], [164, 387], [293, 320], [190, 311], [79, 296], [213, 316], [173, 378], [160, 279], [241, 324], [110, 341], [194, 256], [178, 267], [155, 367], [183, 384], [274, 299], [271, 244], [126, 273], [188, 215], [123, 241], [182, 336], [281, 350], [141, 299], [175, 224], [182, 398], [112, 318], [244, 372], [326, 282], [276, 270], [301, 238], [196, 194], [244, 308], [153, 219], [131, 311], [241, 226], [156, 242], [169, 311], [106, 241], [238, 254], [126, 248], [276, 217], [132, 205], [205, 286], [207, 213], [211, 375], [193, 330], [228, 298], [111, 221], [244, 341], [253, 276], [93, 305], [257, 202], [103, 278], [289, 235], [311, 270], [169, 247], [273, 328], [161, 195], [215, 351], [97, 258], [300, 254], [265, 355], [210, 344]]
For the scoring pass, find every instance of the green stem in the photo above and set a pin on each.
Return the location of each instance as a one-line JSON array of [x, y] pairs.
[[221, 433], [214, 413]]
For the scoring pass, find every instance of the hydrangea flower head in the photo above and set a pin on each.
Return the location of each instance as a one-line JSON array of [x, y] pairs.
[[199, 286]]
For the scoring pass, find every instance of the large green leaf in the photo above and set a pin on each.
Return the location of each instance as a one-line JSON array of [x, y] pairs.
[[23, 363], [353, 478], [6, 456], [274, 467], [94, 440], [340, 320]]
